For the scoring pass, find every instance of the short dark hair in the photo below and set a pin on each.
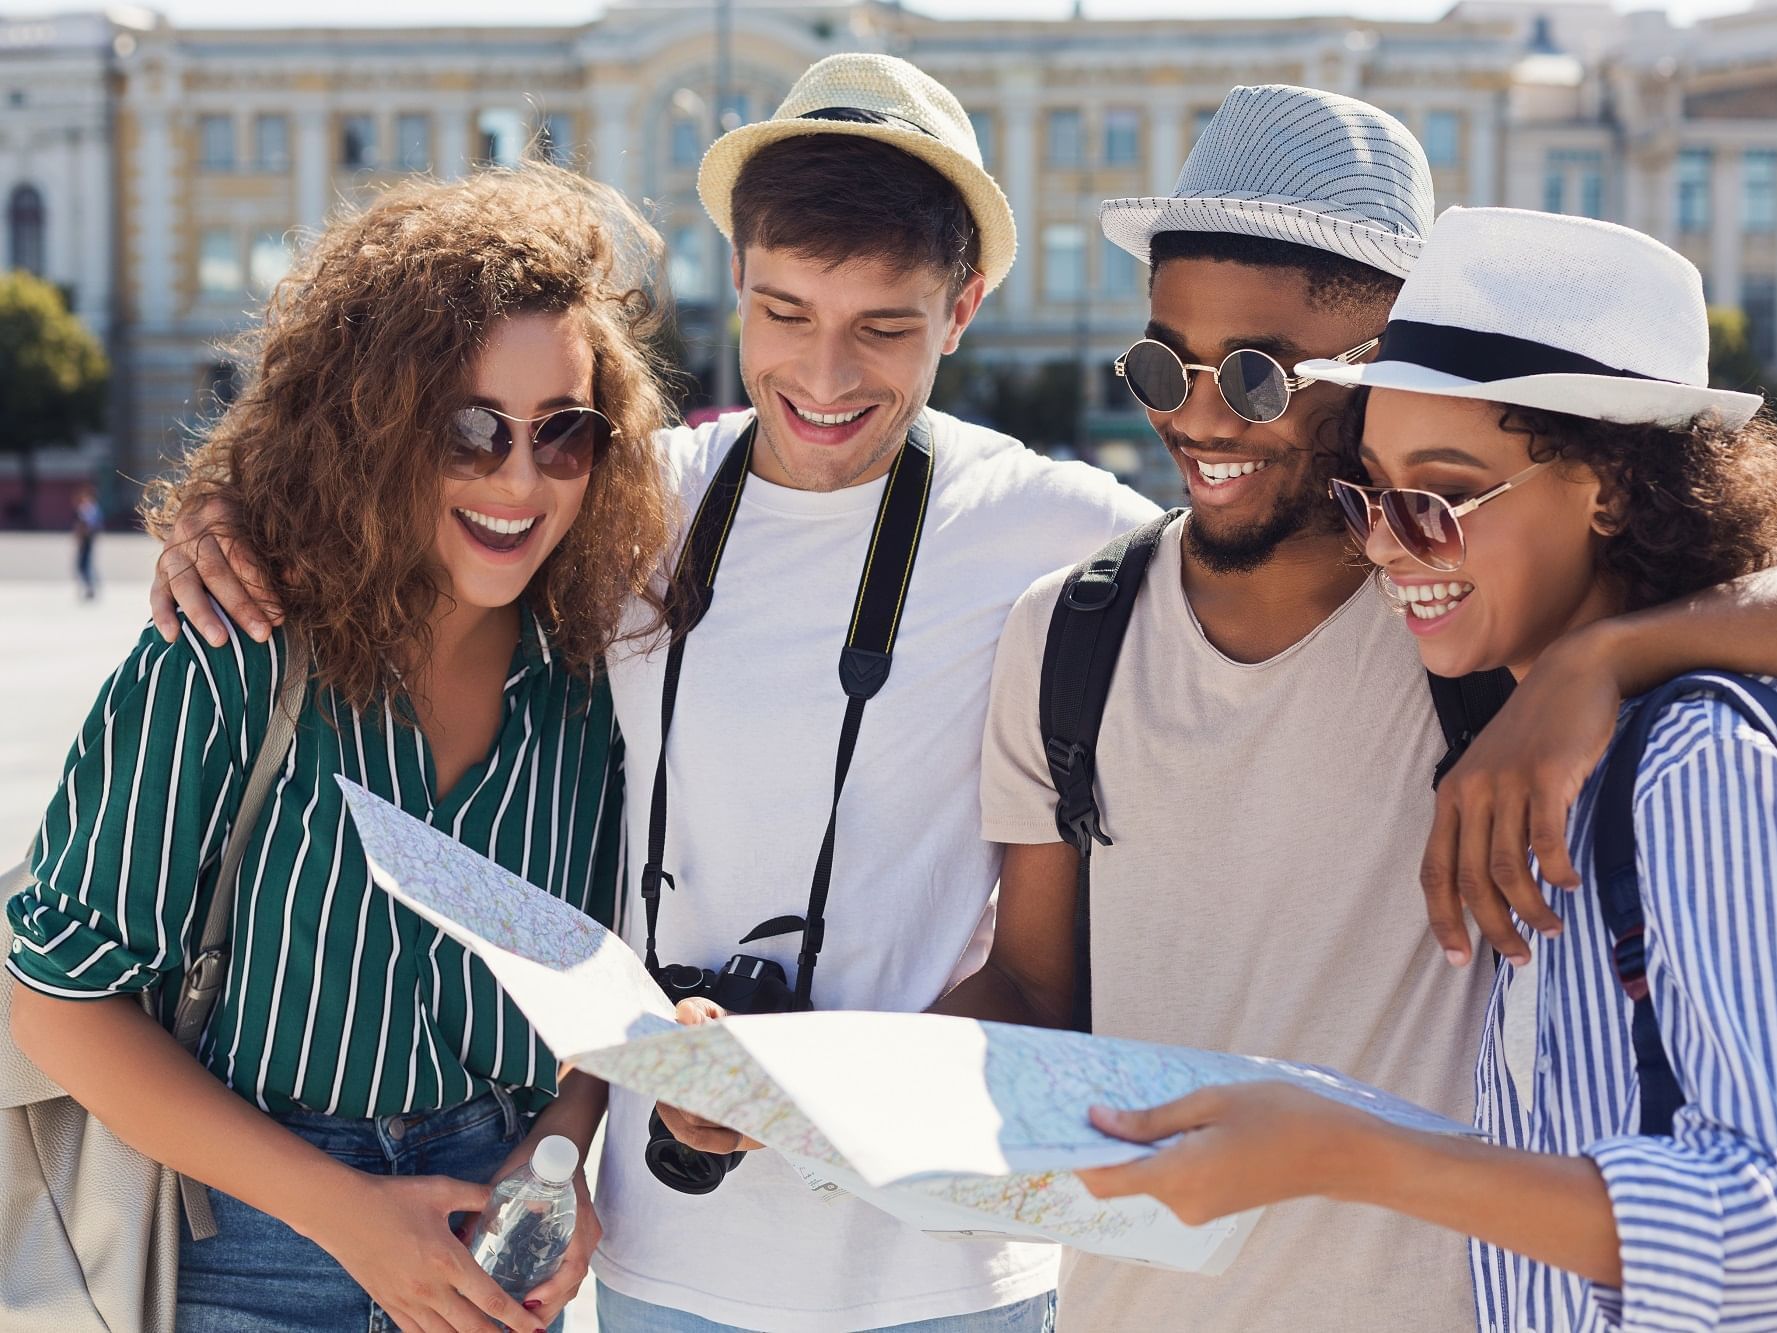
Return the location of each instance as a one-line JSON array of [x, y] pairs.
[[834, 198], [1334, 282]]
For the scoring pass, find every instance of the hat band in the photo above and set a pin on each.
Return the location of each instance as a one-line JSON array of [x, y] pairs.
[[857, 115], [1485, 356]]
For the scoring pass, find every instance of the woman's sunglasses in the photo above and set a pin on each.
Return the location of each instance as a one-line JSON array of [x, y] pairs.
[[1427, 526], [1251, 382], [564, 445]]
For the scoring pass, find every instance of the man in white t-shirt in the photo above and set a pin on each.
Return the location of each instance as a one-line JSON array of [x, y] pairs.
[[866, 235]]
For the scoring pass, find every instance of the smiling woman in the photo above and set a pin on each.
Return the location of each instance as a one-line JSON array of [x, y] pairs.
[[443, 458]]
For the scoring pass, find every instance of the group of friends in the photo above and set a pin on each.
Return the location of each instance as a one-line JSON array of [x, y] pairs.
[[1480, 443]]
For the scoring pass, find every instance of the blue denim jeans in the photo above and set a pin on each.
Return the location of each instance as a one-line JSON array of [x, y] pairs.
[[624, 1314], [256, 1275]]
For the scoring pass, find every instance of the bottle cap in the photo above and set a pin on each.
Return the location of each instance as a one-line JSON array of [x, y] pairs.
[[555, 1160]]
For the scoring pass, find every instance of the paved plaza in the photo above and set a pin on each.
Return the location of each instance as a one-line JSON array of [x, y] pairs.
[[55, 652]]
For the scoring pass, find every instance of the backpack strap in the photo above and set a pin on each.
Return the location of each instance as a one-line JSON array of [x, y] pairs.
[[1617, 877], [1085, 635], [1465, 704]]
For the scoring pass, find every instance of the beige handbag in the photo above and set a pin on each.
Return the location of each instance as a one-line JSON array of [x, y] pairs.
[[89, 1227]]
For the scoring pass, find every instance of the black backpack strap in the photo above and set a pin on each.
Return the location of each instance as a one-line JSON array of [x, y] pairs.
[[1465, 704], [1617, 878], [1085, 635]]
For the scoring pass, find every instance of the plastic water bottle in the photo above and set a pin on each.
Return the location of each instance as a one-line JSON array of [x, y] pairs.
[[524, 1232]]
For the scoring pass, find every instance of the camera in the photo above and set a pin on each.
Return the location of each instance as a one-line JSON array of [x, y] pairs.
[[747, 985]]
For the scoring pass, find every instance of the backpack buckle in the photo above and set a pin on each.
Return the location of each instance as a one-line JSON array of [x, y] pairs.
[[1092, 591], [1076, 809]]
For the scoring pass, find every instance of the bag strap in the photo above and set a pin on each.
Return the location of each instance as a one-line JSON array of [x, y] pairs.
[[864, 662], [1617, 876], [1086, 632], [206, 972], [1465, 704]]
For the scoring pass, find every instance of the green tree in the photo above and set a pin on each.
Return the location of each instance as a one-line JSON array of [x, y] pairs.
[[1732, 362], [53, 374]]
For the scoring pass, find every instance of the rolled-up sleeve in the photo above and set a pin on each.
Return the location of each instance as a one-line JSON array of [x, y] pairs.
[[142, 809], [1696, 1212]]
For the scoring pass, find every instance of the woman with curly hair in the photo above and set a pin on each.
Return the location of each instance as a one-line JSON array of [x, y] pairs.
[[443, 454], [1541, 454]]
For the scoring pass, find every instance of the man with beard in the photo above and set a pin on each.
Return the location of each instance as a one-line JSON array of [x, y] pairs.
[[1253, 895]]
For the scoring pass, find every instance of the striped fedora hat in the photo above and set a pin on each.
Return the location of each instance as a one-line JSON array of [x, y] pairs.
[[1298, 165]]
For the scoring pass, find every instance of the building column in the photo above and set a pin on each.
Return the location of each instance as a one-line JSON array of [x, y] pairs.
[[94, 246], [314, 167], [612, 160], [1483, 151], [450, 149], [1725, 197], [1164, 154], [156, 230], [1018, 178]]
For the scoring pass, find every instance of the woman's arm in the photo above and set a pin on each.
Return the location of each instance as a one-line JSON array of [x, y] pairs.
[[389, 1234]]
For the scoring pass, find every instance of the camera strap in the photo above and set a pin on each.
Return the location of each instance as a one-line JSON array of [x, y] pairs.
[[863, 663]]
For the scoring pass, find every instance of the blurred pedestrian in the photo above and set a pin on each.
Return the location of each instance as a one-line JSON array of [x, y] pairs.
[[88, 520]]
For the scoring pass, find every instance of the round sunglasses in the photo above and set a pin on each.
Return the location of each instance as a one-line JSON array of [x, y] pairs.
[[1427, 526], [1251, 382], [565, 444]]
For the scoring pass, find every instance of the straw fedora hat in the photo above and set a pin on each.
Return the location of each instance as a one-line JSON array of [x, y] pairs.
[[883, 98], [1546, 311], [1299, 165]]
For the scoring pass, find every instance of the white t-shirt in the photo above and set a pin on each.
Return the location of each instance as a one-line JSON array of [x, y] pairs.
[[1261, 896], [750, 772]]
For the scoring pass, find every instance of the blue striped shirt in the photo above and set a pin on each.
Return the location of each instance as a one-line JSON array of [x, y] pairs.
[[1696, 1212]]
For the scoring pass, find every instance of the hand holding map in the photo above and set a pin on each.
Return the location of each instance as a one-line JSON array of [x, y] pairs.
[[957, 1127]]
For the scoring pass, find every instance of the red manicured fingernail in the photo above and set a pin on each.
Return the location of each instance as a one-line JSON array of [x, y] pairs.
[[533, 1305]]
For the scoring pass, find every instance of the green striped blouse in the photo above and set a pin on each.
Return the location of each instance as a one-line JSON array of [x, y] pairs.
[[338, 999]]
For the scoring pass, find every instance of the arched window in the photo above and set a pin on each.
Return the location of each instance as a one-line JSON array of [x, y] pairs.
[[24, 230]]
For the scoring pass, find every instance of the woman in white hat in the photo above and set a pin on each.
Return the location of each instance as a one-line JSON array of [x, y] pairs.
[[1542, 452]]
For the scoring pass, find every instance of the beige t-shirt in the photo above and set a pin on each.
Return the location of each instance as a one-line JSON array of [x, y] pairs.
[[1261, 896]]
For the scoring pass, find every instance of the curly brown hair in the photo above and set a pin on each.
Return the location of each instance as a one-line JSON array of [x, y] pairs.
[[1691, 507], [329, 461]]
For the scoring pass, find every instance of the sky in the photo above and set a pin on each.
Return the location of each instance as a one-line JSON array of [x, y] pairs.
[[235, 13]]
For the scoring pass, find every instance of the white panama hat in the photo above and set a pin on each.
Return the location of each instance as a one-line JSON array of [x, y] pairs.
[[883, 98], [1299, 165], [1546, 311]]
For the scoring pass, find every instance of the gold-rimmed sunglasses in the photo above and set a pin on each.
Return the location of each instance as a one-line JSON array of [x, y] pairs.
[[1428, 527], [1251, 382]]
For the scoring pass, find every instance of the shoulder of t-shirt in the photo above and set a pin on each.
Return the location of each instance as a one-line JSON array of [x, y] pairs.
[[1695, 729], [1077, 498], [691, 454]]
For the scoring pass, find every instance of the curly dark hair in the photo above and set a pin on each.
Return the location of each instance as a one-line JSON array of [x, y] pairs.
[[1694, 506], [328, 464]]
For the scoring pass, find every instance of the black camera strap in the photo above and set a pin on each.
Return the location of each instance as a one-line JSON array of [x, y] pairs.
[[863, 663]]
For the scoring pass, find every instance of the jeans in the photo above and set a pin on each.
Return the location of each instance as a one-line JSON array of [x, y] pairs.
[[623, 1314], [256, 1275]]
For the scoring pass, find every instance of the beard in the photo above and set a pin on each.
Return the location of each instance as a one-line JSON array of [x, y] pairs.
[[1243, 549]]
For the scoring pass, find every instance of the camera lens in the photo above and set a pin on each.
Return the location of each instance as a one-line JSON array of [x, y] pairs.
[[684, 1168]]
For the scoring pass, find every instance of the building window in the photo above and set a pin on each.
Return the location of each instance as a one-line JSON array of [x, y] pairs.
[[982, 123], [357, 142], [1573, 181], [1122, 137], [219, 263], [1064, 261], [267, 262], [1200, 123], [215, 136], [1758, 297], [1443, 138], [739, 110], [685, 269], [271, 142], [555, 139], [413, 141], [25, 230], [1122, 272], [686, 144], [1554, 191], [501, 136], [1067, 147], [1693, 189], [1759, 182]]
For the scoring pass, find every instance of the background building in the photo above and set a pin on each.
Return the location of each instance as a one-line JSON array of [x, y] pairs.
[[165, 175]]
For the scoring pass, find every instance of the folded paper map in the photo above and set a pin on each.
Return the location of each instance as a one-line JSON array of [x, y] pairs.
[[960, 1128]]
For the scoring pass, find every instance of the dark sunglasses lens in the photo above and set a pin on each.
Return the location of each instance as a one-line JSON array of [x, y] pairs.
[[1425, 528], [479, 443], [1155, 376], [1252, 383], [1356, 510], [569, 444]]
